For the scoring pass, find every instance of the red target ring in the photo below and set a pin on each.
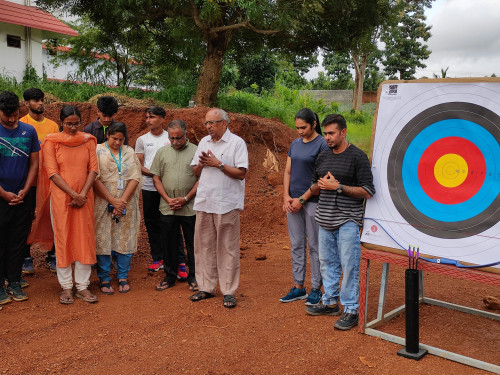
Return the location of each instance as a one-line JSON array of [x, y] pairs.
[[475, 175]]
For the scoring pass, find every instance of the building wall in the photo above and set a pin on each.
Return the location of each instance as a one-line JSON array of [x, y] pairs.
[[64, 70], [13, 60]]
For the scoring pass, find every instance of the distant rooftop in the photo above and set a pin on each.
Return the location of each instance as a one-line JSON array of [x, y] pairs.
[[34, 17]]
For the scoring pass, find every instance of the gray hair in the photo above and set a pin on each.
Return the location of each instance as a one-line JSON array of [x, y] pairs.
[[177, 124], [223, 114]]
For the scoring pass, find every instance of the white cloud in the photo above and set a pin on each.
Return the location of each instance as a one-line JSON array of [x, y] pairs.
[[465, 38]]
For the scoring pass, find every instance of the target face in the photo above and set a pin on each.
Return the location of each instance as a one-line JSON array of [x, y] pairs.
[[444, 179], [436, 169]]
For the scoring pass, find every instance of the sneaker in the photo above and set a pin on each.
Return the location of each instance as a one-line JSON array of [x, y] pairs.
[[28, 266], [182, 273], [23, 283], [50, 261], [346, 321], [314, 297], [17, 293], [4, 297], [156, 266], [294, 294], [321, 309]]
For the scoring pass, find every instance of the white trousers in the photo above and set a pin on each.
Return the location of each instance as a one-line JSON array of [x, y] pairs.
[[82, 276]]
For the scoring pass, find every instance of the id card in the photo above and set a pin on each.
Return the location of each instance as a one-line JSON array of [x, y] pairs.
[[120, 184]]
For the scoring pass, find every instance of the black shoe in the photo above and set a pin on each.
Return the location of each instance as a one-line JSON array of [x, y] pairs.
[[50, 261], [17, 293], [321, 309], [23, 283], [346, 322]]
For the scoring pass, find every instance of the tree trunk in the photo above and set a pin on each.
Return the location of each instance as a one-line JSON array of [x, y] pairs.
[[211, 70], [360, 63]]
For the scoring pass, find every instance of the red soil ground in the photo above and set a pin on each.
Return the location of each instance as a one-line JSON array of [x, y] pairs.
[[150, 332]]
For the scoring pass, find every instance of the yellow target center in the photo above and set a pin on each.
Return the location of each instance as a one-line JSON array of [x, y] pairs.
[[451, 170]]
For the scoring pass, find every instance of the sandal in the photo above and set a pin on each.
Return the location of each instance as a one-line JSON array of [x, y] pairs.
[[106, 285], [123, 284], [86, 296], [201, 295], [164, 285], [66, 297], [229, 301], [193, 286]]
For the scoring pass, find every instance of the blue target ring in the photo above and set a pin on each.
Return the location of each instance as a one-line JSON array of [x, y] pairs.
[[478, 203], [480, 210]]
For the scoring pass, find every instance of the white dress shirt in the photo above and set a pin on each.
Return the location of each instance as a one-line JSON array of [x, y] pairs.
[[218, 193]]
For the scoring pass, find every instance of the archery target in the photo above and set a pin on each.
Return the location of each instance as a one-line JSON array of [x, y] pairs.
[[436, 166]]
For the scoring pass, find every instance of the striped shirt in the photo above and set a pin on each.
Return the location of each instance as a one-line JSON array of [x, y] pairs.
[[350, 168]]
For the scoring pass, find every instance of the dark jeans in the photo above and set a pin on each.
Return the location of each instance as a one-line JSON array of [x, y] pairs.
[[151, 211], [15, 225], [171, 225]]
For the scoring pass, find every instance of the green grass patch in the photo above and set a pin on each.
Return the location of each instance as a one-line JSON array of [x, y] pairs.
[[283, 103], [75, 92]]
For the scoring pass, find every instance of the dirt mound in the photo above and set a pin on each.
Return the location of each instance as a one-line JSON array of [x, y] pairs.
[[124, 100]]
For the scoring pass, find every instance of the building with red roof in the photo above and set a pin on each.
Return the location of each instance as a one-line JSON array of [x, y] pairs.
[[23, 27]]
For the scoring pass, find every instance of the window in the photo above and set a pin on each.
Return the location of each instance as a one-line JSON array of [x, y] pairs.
[[13, 41]]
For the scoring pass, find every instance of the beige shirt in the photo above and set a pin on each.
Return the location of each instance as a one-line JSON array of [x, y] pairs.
[[173, 168]]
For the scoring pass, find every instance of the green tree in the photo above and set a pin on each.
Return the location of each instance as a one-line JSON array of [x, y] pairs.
[[102, 57], [404, 42], [363, 45], [185, 29], [338, 68], [443, 73], [259, 69], [373, 75]]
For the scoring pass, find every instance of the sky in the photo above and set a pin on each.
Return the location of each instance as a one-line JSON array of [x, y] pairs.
[[465, 38]]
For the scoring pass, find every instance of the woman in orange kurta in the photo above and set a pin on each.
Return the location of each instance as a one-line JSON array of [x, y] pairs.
[[71, 165]]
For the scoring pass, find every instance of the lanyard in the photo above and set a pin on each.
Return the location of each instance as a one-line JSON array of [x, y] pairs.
[[119, 161]]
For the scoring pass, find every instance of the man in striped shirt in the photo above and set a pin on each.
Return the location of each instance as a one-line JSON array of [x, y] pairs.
[[343, 180]]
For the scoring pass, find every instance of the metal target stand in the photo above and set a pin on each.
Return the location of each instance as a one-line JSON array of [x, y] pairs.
[[369, 328]]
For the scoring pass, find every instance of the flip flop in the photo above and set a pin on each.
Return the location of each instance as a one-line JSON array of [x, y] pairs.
[[201, 295], [193, 286], [106, 284], [66, 297], [86, 295], [164, 285], [124, 283], [229, 301]]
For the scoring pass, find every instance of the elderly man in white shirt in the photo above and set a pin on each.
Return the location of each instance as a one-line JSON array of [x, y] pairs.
[[221, 162]]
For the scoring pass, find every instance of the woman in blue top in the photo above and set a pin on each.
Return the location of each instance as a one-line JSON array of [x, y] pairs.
[[302, 227]]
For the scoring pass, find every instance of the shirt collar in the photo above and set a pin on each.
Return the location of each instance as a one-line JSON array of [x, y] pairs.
[[182, 149], [225, 136]]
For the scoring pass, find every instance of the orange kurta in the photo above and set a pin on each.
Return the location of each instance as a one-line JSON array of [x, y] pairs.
[[72, 158]]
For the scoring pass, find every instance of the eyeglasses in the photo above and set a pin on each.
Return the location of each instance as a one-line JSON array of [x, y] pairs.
[[72, 124], [176, 138], [212, 122]]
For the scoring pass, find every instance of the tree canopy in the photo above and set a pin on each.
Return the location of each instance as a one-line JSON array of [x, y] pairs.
[[404, 42], [197, 34]]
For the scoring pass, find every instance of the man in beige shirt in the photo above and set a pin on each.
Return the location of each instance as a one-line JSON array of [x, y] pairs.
[[176, 183]]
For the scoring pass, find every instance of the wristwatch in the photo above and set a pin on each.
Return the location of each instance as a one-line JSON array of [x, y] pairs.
[[302, 200], [339, 190], [221, 166]]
